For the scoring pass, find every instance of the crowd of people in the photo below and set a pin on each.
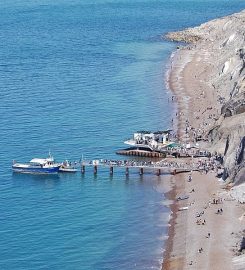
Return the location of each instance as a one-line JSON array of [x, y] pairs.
[[201, 164]]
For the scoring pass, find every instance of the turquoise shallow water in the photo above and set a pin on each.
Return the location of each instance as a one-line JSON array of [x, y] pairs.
[[79, 77]]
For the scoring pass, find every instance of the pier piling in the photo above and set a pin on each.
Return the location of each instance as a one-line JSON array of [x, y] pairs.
[[95, 169], [111, 170]]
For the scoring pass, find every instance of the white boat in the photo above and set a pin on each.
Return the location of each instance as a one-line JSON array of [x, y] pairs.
[[153, 141], [37, 166], [67, 167]]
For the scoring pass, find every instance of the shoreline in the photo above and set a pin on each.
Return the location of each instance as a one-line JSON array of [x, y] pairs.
[[189, 245], [171, 195]]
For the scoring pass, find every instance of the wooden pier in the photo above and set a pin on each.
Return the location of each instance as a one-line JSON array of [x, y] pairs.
[[161, 154], [141, 153], [153, 168]]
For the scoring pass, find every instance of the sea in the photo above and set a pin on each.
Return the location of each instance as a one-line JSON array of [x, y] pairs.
[[77, 78]]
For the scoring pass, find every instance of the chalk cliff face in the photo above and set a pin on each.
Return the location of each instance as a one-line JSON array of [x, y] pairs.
[[224, 42]]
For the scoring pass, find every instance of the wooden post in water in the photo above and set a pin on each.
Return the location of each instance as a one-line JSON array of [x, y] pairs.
[[158, 172], [127, 171], [95, 169], [83, 169], [111, 170], [141, 171]]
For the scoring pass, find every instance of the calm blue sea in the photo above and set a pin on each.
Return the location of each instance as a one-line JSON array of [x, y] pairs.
[[78, 78]]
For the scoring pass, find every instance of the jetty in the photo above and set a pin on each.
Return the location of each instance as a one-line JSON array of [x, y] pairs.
[[158, 168], [140, 153]]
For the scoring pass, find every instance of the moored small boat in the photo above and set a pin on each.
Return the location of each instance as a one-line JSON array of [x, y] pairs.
[[37, 166], [67, 167]]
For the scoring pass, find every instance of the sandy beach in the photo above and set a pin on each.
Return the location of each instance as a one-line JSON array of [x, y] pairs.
[[207, 234]]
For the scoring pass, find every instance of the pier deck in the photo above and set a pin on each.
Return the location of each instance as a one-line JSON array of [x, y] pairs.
[[160, 167]]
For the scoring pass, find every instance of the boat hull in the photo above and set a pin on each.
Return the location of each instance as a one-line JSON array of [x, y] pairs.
[[34, 170], [67, 170]]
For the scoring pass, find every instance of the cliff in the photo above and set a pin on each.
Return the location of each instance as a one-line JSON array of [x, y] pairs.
[[223, 40]]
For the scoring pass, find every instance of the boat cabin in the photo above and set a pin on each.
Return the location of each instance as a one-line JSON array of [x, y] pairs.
[[144, 137]]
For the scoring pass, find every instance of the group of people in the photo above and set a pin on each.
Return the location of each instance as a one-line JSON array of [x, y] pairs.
[[205, 165]]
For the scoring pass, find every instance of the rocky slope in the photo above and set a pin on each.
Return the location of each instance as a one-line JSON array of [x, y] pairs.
[[224, 42]]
